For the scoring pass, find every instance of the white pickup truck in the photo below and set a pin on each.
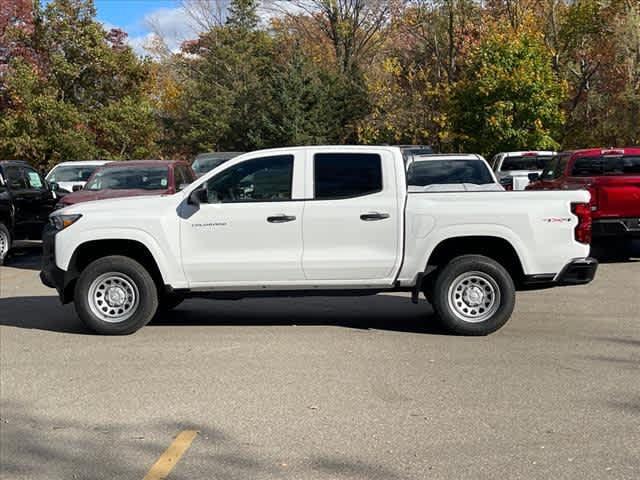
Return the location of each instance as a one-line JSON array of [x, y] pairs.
[[327, 220]]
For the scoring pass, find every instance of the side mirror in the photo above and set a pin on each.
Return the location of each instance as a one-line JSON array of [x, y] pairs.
[[75, 188], [198, 196], [533, 177], [53, 186]]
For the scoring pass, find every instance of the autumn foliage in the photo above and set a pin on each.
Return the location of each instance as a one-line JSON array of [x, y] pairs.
[[460, 75]]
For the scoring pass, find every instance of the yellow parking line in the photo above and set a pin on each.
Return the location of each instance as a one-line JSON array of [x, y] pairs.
[[171, 456]]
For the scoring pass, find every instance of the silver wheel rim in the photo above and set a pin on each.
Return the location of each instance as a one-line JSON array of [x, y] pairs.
[[113, 297], [4, 243], [474, 297]]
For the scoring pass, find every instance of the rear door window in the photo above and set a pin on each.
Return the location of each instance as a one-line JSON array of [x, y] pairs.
[[346, 175]]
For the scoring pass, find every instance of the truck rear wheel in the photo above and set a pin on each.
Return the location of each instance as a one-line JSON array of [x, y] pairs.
[[473, 295], [115, 295]]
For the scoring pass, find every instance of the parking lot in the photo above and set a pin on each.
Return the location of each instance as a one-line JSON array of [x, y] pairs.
[[323, 388]]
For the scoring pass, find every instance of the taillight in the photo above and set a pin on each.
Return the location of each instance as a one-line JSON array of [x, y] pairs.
[[583, 229], [593, 190]]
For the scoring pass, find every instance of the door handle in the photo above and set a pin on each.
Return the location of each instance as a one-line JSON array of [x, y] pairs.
[[373, 216], [281, 218]]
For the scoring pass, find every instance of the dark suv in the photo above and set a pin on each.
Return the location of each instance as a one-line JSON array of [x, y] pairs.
[[26, 201]]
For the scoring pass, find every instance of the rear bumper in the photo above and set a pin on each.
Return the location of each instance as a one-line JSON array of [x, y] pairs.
[[578, 271], [616, 228]]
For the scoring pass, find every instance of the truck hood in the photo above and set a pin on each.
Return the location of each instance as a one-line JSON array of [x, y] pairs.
[[148, 202], [88, 195]]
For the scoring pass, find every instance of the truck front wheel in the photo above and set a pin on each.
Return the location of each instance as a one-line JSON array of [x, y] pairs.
[[115, 295], [473, 295], [5, 242]]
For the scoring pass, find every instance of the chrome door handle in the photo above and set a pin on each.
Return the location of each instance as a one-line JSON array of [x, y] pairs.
[[281, 218], [373, 216]]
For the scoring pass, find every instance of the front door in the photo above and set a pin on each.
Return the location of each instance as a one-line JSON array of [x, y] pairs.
[[248, 230]]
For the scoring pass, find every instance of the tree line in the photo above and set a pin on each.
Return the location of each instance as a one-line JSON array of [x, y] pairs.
[[461, 75]]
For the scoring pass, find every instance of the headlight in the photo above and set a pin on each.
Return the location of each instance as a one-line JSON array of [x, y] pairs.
[[60, 222]]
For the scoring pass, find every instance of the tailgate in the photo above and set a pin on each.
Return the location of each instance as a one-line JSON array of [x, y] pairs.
[[617, 197]]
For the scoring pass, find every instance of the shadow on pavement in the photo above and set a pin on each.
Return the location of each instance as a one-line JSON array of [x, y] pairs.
[[381, 312], [25, 255], [38, 446], [40, 313]]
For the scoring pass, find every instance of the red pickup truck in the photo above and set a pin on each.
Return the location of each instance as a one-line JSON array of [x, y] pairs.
[[613, 178]]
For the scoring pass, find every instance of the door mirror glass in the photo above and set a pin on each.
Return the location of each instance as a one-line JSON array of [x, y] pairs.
[[75, 188]]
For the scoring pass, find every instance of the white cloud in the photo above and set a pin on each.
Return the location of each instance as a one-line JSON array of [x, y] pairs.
[[172, 25]]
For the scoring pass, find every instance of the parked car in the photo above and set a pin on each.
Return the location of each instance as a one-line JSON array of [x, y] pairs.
[[612, 175], [133, 179], [325, 220], [408, 151], [513, 168], [450, 172], [25, 204], [71, 176], [206, 162]]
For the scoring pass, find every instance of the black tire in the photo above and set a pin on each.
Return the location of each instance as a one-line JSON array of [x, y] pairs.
[[169, 301], [5, 242], [129, 269], [494, 276]]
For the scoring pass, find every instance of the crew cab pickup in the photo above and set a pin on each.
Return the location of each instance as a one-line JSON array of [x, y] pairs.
[[612, 176], [327, 220]]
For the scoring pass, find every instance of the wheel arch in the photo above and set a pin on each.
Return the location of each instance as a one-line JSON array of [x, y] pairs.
[[491, 246], [91, 250]]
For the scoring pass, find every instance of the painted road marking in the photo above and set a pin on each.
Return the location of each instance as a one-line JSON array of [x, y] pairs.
[[171, 456]]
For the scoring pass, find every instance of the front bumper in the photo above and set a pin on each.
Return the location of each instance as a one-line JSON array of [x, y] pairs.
[[50, 275]]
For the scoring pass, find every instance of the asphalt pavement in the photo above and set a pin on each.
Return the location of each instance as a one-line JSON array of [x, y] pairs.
[[322, 388]]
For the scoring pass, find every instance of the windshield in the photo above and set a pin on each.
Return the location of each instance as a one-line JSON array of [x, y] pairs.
[[203, 165], [525, 163], [72, 173], [441, 172], [127, 178]]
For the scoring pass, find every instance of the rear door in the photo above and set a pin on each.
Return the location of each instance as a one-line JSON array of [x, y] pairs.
[[352, 221]]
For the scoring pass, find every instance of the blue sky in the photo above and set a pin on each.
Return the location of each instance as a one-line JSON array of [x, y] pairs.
[[170, 20], [134, 16]]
